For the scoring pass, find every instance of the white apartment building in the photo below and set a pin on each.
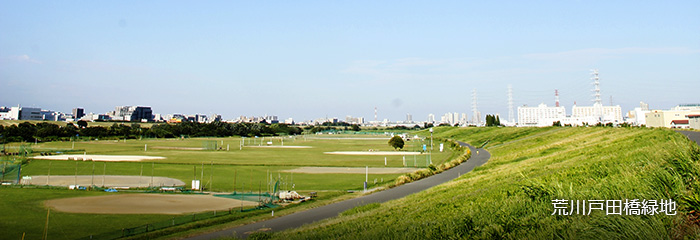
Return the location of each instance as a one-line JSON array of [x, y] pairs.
[[637, 116], [540, 116], [597, 113]]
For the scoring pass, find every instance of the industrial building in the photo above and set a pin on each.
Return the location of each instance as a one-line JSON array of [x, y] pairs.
[[677, 117], [542, 115], [21, 113], [694, 121]]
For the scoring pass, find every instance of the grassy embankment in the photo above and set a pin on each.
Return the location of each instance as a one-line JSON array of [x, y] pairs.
[[511, 196]]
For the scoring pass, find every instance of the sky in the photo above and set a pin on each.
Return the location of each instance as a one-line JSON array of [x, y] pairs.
[[315, 59]]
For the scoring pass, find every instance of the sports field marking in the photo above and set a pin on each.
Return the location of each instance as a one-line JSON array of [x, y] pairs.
[[386, 153], [280, 146], [100, 158], [145, 204], [97, 180], [353, 170], [346, 138], [179, 148]]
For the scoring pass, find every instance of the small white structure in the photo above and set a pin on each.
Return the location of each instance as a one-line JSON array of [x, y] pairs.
[[195, 185], [289, 195]]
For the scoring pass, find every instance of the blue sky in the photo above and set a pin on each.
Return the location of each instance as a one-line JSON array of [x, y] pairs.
[[315, 59]]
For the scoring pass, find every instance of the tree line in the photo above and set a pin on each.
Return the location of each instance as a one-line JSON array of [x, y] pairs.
[[45, 131]]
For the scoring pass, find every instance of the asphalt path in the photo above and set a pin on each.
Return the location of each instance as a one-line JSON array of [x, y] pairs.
[[695, 136], [294, 220]]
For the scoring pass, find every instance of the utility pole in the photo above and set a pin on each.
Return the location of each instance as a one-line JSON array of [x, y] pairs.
[[431, 139], [474, 110]]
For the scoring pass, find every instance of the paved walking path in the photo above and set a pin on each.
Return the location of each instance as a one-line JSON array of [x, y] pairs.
[[312, 215], [695, 136]]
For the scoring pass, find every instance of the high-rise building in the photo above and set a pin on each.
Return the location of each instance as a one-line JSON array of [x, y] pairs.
[[78, 113], [431, 118]]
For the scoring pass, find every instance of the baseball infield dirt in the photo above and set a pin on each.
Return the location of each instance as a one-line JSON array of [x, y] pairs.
[[145, 204]]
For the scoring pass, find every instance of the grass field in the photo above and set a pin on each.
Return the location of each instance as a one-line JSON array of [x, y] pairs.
[[24, 212], [511, 196], [247, 168]]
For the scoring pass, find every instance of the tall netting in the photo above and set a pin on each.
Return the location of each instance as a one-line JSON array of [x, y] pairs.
[[10, 172], [210, 145]]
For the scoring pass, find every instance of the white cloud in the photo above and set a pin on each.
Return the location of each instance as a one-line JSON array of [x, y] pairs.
[[23, 58]]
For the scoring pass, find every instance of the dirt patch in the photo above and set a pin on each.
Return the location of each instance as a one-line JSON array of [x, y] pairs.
[[103, 180], [322, 170], [384, 153], [100, 158], [145, 204]]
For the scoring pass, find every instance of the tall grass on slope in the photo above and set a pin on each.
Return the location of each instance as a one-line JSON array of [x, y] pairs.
[[511, 196]]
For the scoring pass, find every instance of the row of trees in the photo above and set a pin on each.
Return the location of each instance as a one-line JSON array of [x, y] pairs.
[[45, 131], [492, 121]]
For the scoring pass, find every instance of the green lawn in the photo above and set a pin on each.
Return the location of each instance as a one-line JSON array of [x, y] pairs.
[[24, 212], [247, 168], [250, 165], [511, 196]]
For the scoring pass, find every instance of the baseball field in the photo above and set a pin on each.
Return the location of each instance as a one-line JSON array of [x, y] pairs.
[[323, 164]]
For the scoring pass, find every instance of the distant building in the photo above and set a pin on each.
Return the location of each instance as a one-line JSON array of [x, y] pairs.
[[78, 113], [157, 117], [680, 124], [201, 118], [275, 119], [597, 113], [464, 120], [176, 118], [132, 114], [694, 121], [354, 120], [687, 107], [431, 118], [95, 117], [54, 116], [5, 113], [289, 121], [637, 117], [26, 113], [540, 116], [666, 118]]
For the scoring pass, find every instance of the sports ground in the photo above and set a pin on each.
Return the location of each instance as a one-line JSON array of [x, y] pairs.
[[222, 165], [145, 204]]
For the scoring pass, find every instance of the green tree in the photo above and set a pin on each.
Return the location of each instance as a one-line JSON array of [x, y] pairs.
[[396, 142], [82, 124]]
